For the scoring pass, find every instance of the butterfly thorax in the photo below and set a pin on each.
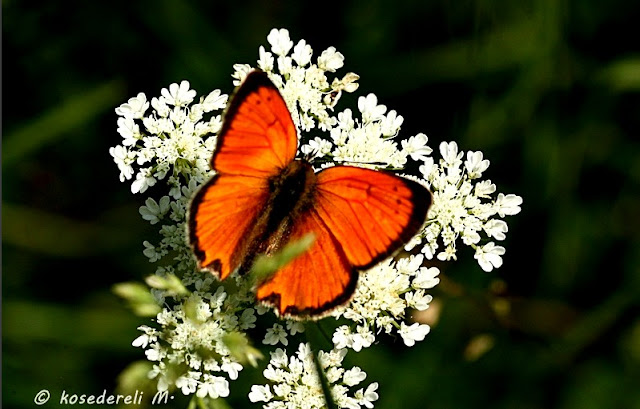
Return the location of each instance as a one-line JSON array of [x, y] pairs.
[[291, 193]]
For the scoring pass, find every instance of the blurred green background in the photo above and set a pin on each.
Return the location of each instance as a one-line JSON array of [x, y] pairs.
[[548, 90]]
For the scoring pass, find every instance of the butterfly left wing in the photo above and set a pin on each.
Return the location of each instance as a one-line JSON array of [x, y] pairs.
[[221, 217], [257, 140], [360, 217], [258, 137]]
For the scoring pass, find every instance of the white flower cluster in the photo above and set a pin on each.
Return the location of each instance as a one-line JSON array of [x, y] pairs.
[[365, 141], [303, 84], [175, 139], [383, 295], [295, 382], [464, 208], [191, 350]]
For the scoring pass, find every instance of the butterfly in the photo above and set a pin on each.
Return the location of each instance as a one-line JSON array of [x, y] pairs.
[[263, 197]]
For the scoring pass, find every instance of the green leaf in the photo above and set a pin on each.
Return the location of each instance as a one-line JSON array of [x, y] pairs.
[[139, 298], [169, 283], [265, 266]]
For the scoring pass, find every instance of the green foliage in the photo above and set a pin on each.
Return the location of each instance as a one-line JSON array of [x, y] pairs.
[[265, 266]]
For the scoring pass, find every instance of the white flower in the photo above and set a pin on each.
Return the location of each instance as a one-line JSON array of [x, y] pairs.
[[416, 147], [129, 130], [280, 41], [347, 83], [266, 60], [316, 147], [364, 141], [426, 278], [484, 188], [370, 109], [188, 384], [134, 108], [154, 353], [213, 387], [232, 368], [275, 335], [489, 256], [295, 327], [296, 384], [302, 53], [123, 158], [461, 209], [241, 72], [178, 95], [390, 124], [330, 60], [354, 376], [367, 397], [215, 101], [152, 211], [449, 253], [418, 300], [475, 165], [508, 205], [363, 338], [141, 341], [260, 393], [412, 333], [144, 180], [496, 228], [381, 298], [450, 155], [341, 337], [160, 106]]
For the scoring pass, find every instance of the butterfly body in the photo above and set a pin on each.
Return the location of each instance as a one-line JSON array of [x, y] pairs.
[[263, 197], [290, 194]]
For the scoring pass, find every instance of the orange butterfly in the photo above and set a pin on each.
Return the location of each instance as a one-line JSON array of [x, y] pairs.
[[262, 197]]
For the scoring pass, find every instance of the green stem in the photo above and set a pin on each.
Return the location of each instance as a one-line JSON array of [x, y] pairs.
[[326, 388]]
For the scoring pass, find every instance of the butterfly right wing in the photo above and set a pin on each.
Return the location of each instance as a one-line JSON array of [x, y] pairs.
[[371, 213]]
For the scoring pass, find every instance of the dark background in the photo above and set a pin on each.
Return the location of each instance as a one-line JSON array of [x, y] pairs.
[[548, 90]]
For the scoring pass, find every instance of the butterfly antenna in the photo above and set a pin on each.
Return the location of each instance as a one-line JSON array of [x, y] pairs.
[[357, 162]]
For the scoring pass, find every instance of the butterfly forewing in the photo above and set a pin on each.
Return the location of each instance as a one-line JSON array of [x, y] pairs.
[[258, 137]]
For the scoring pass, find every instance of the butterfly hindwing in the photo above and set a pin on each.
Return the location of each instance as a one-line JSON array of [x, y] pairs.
[[314, 282], [371, 213]]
